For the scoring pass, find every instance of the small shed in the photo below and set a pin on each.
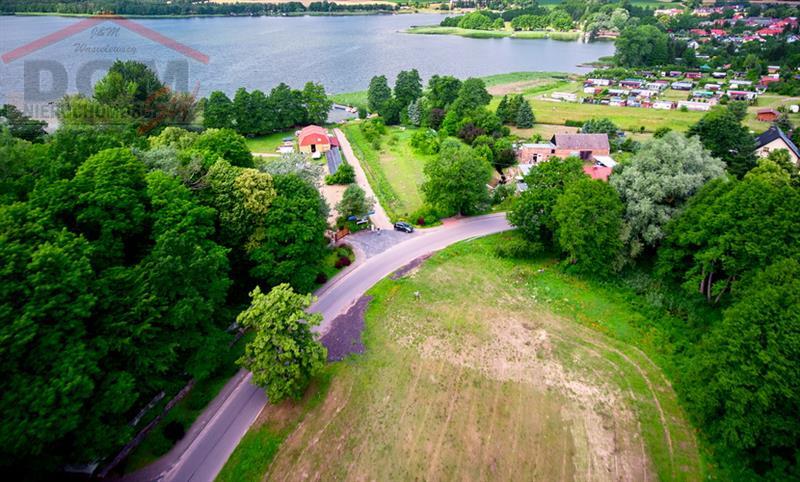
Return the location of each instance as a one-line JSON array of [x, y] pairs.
[[767, 115]]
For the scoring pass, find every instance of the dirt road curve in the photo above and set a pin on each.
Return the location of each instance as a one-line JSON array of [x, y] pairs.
[[208, 444]]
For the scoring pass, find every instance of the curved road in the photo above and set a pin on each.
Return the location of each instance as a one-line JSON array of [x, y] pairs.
[[211, 440]]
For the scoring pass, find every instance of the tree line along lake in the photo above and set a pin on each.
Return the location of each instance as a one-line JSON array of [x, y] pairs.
[[342, 53]]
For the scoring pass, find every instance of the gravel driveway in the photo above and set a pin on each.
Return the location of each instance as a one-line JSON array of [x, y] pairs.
[[372, 243]]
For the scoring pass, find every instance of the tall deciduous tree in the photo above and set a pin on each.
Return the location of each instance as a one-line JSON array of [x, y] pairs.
[[657, 182], [456, 180], [442, 90], [742, 379], [407, 87], [722, 133], [378, 93], [533, 212], [731, 228], [354, 202], [317, 103], [294, 235], [218, 112], [642, 45], [285, 354], [589, 219]]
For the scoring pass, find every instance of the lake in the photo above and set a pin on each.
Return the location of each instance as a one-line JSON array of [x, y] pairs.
[[342, 53]]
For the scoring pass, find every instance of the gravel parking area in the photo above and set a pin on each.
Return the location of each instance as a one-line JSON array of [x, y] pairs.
[[372, 243]]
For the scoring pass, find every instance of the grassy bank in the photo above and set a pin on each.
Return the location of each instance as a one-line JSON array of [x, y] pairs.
[[268, 144], [471, 33], [255, 452], [502, 367]]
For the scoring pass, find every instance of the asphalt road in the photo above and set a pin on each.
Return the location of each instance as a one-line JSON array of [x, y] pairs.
[[215, 435]]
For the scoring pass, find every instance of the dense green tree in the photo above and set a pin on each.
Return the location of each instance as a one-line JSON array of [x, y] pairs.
[[21, 125], [317, 103], [456, 180], [219, 111], [378, 93], [71, 145], [657, 182], [23, 164], [288, 107], [471, 95], [407, 87], [225, 144], [503, 111], [730, 229], [294, 235], [524, 118], [243, 113], [741, 381], [722, 133], [738, 108], [589, 219], [76, 110], [285, 354], [533, 212], [475, 21], [643, 45], [503, 154], [600, 126], [115, 91], [296, 163], [354, 202], [343, 176], [175, 137], [442, 90]]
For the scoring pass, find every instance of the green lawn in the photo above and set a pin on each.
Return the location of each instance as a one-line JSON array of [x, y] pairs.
[[356, 99], [395, 172], [504, 366], [268, 144]]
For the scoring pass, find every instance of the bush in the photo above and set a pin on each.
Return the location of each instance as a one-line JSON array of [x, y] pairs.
[[427, 214], [344, 175], [426, 141], [573, 123], [342, 262], [502, 192], [420, 221], [321, 278], [174, 431], [518, 248]]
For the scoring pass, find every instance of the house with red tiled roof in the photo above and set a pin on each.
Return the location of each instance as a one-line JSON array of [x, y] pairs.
[[584, 146], [313, 139], [598, 172]]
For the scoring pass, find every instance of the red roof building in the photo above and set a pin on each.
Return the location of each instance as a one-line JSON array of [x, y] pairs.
[[770, 31], [767, 115], [600, 173], [313, 139]]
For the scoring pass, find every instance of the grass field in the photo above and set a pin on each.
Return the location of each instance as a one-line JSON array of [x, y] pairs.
[[394, 172], [268, 144], [505, 369]]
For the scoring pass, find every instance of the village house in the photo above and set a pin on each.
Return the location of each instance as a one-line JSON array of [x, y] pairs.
[[312, 139], [663, 104], [774, 139], [584, 146], [682, 85], [696, 106]]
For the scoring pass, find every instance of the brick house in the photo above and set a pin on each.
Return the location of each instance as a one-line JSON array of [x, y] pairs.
[[584, 146]]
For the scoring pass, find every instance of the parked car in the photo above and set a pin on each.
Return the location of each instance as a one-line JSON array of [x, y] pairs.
[[405, 227]]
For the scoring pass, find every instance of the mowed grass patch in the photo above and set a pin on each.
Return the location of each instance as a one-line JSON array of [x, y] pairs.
[[489, 376], [268, 144], [356, 99], [395, 171], [627, 118]]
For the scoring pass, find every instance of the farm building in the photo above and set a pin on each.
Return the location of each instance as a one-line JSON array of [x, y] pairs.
[[313, 139], [663, 104], [682, 85], [696, 106]]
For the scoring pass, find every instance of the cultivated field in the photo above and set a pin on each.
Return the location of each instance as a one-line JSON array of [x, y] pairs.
[[502, 370]]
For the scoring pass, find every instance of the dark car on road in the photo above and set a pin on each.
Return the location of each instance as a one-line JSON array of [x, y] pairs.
[[405, 227]]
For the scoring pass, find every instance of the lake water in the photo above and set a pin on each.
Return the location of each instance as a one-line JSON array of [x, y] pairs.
[[259, 52]]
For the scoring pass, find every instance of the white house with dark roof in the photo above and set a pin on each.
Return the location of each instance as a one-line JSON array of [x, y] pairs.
[[774, 139]]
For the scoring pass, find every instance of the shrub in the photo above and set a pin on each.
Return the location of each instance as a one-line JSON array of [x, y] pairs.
[[425, 141], [344, 175], [573, 123], [342, 262], [420, 221], [518, 248], [174, 431], [321, 278]]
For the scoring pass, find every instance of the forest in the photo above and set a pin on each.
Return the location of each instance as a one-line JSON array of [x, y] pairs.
[[126, 255]]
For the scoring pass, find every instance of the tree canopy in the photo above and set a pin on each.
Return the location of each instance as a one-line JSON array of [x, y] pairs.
[[456, 180]]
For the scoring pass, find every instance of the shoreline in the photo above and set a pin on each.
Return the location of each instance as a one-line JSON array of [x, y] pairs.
[[569, 36], [209, 15]]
